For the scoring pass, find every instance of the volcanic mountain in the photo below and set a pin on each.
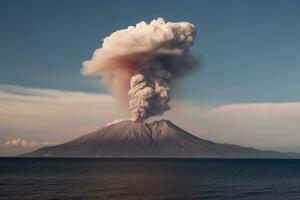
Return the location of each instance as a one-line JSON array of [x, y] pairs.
[[161, 139]]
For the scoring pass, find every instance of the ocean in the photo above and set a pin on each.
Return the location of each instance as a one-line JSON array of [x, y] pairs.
[[110, 179]]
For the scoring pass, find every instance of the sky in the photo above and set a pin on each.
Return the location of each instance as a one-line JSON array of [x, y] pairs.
[[246, 92]]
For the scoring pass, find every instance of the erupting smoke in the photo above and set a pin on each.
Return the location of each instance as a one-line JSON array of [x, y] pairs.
[[140, 63]]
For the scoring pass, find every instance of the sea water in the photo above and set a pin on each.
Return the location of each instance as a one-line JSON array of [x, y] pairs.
[[74, 178]]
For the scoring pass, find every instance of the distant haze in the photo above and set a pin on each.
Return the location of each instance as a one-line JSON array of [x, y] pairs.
[[56, 116]]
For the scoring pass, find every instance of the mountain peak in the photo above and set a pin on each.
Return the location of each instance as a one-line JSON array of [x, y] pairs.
[[160, 138], [162, 122]]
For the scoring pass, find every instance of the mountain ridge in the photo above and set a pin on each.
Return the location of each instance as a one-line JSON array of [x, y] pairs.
[[158, 139]]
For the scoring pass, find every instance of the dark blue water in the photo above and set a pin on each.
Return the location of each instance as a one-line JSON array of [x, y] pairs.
[[149, 179]]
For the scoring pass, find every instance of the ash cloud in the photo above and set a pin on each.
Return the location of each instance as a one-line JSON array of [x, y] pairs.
[[140, 63]]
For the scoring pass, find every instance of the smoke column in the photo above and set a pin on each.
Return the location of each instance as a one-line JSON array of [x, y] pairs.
[[139, 64]]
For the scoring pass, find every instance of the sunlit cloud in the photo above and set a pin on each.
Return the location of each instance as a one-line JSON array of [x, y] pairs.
[[58, 116], [26, 143], [52, 115], [261, 125]]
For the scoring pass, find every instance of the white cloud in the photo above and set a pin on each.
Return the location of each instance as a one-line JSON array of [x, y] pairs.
[[261, 125], [52, 115], [26, 143], [57, 116]]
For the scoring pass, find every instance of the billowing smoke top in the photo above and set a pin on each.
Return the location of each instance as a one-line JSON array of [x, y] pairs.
[[139, 64]]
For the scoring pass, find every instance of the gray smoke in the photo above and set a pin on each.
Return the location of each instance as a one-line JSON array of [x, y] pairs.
[[140, 63]]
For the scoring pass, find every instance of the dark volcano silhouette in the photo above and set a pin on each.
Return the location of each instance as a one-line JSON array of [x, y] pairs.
[[157, 139]]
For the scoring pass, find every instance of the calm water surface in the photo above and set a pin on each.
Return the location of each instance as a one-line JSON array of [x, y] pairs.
[[51, 178]]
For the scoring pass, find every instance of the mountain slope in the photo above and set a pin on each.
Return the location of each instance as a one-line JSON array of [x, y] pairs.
[[157, 139]]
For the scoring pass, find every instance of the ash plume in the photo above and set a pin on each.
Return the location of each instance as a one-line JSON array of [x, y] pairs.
[[139, 64]]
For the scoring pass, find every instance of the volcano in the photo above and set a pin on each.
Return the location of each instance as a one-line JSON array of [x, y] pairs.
[[159, 139]]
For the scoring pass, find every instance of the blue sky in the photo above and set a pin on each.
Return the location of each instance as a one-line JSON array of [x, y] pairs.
[[246, 91], [249, 49]]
